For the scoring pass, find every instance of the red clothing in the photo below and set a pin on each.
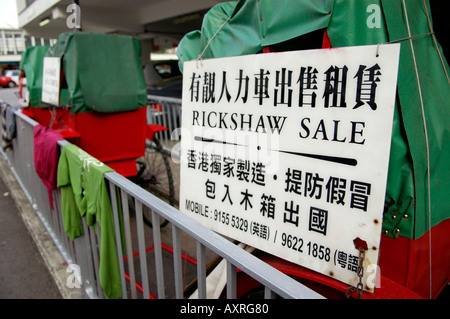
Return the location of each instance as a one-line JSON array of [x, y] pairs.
[[46, 157]]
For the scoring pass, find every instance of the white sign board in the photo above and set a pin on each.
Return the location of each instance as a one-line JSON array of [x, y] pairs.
[[288, 152], [51, 79]]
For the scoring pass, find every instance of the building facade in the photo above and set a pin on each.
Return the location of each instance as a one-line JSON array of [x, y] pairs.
[[12, 43]]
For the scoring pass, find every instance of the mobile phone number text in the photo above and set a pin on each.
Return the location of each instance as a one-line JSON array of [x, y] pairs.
[[312, 249], [229, 219]]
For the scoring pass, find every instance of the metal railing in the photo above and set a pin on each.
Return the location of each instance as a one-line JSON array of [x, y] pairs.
[[168, 274], [78, 252], [165, 111]]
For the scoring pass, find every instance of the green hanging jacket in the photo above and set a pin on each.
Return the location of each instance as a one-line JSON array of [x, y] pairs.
[[84, 194]]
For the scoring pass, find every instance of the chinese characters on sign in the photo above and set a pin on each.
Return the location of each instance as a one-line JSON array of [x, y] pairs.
[[288, 152], [51, 78], [203, 86]]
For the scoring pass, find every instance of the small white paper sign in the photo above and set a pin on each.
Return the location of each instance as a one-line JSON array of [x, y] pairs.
[[51, 79], [288, 152]]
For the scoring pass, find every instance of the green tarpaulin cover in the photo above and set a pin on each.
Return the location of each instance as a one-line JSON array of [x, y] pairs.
[[103, 72], [32, 64], [245, 27]]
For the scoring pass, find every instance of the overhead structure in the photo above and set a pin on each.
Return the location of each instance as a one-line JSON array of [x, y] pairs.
[[162, 21]]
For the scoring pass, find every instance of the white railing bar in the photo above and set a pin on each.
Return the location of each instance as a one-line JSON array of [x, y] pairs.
[[231, 281], [113, 196], [158, 256], [94, 250], [142, 252], [127, 228], [88, 271], [268, 293], [201, 271], [163, 99], [280, 283], [178, 273], [25, 118]]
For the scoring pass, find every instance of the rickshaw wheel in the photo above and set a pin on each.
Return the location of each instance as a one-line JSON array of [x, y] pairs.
[[155, 175]]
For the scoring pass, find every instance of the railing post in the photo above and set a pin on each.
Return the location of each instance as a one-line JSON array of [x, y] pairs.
[[201, 271], [127, 230], [142, 252], [231, 281], [158, 256], [177, 262], [268, 293], [115, 212]]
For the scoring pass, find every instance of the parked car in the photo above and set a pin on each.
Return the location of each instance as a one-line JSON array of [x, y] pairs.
[[14, 75], [6, 81]]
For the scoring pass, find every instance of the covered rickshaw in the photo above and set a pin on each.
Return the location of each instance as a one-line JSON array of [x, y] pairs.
[[414, 255], [90, 88]]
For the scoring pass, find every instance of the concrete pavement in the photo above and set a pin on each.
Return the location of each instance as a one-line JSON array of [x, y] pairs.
[[31, 266], [23, 272]]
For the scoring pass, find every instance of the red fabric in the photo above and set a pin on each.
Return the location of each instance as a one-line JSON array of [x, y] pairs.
[[326, 44], [407, 262], [268, 50], [46, 157]]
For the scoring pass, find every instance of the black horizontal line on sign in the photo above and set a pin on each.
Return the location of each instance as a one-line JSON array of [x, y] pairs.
[[211, 140], [334, 159]]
